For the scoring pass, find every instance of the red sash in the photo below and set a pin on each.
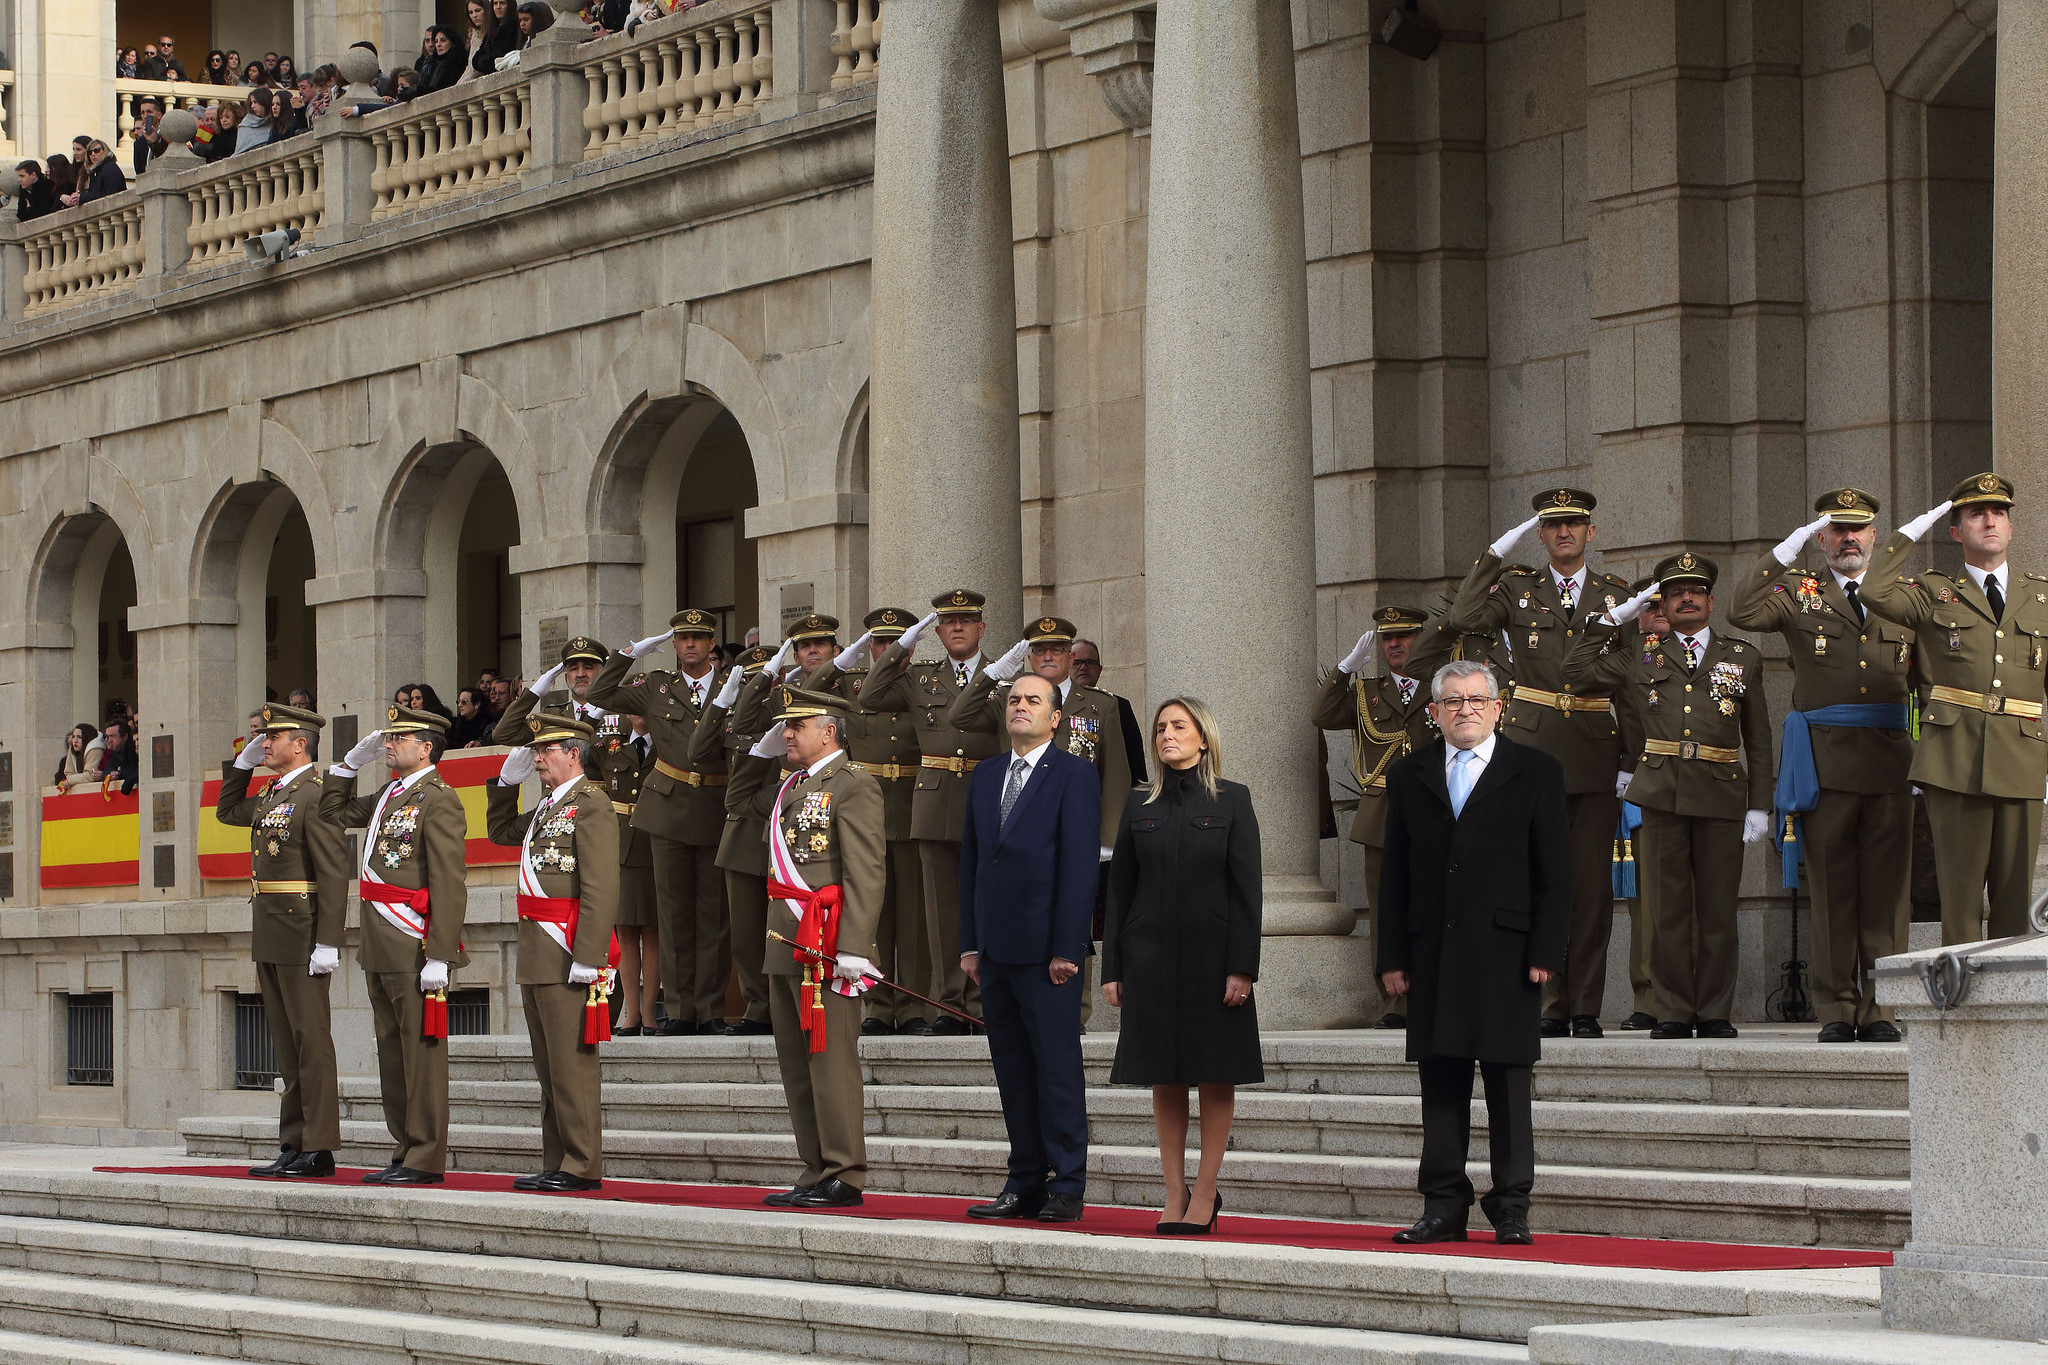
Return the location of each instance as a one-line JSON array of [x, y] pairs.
[[818, 930], [563, 912], [387, 894]]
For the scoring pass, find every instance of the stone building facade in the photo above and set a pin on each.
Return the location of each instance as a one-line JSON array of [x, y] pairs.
[[1211, 327]]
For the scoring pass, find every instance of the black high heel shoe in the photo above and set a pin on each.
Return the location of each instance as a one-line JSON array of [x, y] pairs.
[[1203, 1229], [1175, 1229]]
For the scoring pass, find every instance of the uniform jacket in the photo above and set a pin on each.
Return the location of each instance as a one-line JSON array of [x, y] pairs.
[[1721, 704], [420, 843], [1521, 604], [833, 823], [1090, 728], [289, 842], [1835, 662], [576, 855], [1964, 749], [612, 755], [742, 845], [1386, 729], [926, 690], [1027, 886], [1469, 903], [876, 740], [669, 807]]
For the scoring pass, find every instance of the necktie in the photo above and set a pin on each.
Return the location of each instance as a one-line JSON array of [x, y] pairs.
[[696, 694], [1018, 768], [960, 675], [1461, 780], [1568, 594], [641, 745], [1692, 653], [1855, 602], [1407, 686], [1996, 597]]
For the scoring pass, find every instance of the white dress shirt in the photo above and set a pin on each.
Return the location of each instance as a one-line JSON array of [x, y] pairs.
[[1578, 582], [1699, 642], [972, 664], [701, 684], [1482, 754], [283, 780], [1405, 685], [1030, 761], [1978, 576], [824, 762]]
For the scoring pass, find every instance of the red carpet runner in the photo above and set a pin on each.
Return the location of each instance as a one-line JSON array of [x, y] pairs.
[[1554, 1248]]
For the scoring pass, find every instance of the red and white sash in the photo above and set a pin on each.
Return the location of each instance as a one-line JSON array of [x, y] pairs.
[[529, 879], [407, 911], [783, 862]]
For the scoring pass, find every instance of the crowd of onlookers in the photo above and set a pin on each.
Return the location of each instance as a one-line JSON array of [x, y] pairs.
[[101, 755]]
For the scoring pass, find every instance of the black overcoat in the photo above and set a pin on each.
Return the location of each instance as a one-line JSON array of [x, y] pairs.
[[1469, 904], [1183, 912]]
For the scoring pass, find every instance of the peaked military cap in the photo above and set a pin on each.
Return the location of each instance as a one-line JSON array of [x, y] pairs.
[[1050, 630], [1848, 507], [1687, 567], [1394, 620], [751, 660], [693, 621], [1987, 487], [815, 627], [800, 703], [277, 718], [958, 602], [583, 647], [403, 720], [886, 623], [548, 727], [1563, 502]]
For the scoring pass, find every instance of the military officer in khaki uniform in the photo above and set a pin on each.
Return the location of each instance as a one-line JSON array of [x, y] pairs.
[[1846, 755], [1543, 614], [682, 810], [299, 877], [1981, 757], [568, 892], [883, 744], [582, 659], [826, 828], [414, 895], [733, 723], [947, 754], [1701, 698]]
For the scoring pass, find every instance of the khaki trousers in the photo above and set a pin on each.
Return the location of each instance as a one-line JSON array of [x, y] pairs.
[[747, 895], [412, 1072], [822, 1089], [1859, 856], [950, 985], [696, 937], [902, 947], [1689, 868], [1983, 844], [571, 1105], [1594, 817], [302, 1042]]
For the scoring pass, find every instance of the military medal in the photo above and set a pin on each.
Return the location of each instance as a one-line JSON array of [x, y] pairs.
[[1820, 646], [271, 848], [1955, 640], [1653, 701], [1809, 595], [1727, 707], [1532, 639]]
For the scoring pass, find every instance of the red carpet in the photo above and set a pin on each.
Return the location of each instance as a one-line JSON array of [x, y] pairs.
[[1554, 1248]]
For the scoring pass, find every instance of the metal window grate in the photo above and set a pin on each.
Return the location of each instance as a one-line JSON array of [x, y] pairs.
[[469, 1011], [255, 1060], [89, 1039]]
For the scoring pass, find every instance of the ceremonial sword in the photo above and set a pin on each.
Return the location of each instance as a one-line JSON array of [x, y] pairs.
[[877, 979]]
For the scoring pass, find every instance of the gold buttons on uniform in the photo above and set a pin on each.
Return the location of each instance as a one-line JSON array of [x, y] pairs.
[[1688, 732], [1688, 687], [1999, 633], [1998, 682], [1998, 658], [1863, 663], [1688, 710]]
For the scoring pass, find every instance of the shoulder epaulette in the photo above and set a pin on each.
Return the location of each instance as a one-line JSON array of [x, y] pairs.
[[2038, 578], [1523, 569]]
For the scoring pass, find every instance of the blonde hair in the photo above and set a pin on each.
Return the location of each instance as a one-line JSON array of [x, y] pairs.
[[1209, 769]]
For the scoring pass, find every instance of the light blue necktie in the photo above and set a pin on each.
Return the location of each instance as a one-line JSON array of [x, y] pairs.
[[1461, 780]]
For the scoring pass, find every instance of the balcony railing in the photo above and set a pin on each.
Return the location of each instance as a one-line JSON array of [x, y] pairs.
[[278, 187], [695, 70], [451, 145], [129, 93], [83, 254]]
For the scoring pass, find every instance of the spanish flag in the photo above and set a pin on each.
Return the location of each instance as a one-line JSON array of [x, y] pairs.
[[92, 838]]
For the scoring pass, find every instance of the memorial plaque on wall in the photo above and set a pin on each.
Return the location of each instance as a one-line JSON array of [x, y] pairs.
[[6, 824], [166, 867], [163, 812], [163, 757], [796, 604], [341, 736], [554, 637], [6, 876], [6, 772]]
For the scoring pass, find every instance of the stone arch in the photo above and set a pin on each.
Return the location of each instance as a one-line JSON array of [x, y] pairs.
[[420, 548], [448, 410], [67, 588], [713, 364], [236, 564], [286, 459]]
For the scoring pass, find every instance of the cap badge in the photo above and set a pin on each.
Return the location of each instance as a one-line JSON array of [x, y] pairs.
[[888, 618], [535, 723], [1047, 625], [1989, 483], [392, 714], [1561, 498], [1849, 498], [266, 715], [1686, 561]]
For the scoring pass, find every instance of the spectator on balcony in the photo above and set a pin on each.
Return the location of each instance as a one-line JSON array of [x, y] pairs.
[[218, 72], [216, 136], [477, 31], [270, 68], [261, 122], [424, 698], [286, 74], [101, 177], [118, 763], [472, 726], [501, 697], [535, 19], [501, 37], [607, 17], [254, 76], [128, 65], [163, 64], [327, 83], [234, 66], [37, 196], [82, 750], [62, 175], [446, 60], [145, 139], [289, 116]]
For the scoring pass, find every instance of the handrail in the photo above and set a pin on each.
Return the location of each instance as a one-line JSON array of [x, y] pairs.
[[83, 253], [450, 144], [279, 186], [129, 91], [857, 42], [679, 74]]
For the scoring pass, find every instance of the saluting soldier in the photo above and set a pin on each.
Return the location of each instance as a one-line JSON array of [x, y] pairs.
[[298, 865], [1543, 614], [733, 723], [414, 895], [883, 744], [682, 810], [1388, 717], [1980, 759], [568, 894], [582, 659], [947, 754], [1846, 755], [1701, 698], [826, 830]]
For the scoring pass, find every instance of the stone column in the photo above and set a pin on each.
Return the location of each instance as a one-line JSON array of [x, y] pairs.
[[1230, 487], [2019, 241], [943, 472]]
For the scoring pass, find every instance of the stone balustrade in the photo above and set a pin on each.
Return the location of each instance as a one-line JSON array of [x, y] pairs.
[[706, 66], [82, 254], [279, 187], [6, 113], [451, 144], [857, 42], [129, 94]]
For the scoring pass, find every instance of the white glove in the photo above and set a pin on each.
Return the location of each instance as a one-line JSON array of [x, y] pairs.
[[325, 960], [1755, 825], [368, 747], [251, 757], [729, 693], [852, 967], [434, 976], [1919, 525], [1501, 547], [640, 649], [1787, 550], [910, 637], [1629, 610], [1107, 853], [1621, 781], [580, 975], [855, 653], [782, 657], [545, 683], [1360, 655], [517, 767], [1012, 662], [773, 744]]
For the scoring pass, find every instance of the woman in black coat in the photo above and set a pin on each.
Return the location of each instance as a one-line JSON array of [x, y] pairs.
[[1180, 951], [502, 38]]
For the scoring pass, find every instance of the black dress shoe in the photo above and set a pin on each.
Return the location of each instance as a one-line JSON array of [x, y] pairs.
[[747, 1028], [832, 1194], [1837, 1032], [379, 1177], [276, 1164], [1010, 1204], [672, 1028], [1512, 1232], [1553, 1028], [561, 1182], [531, 1182], [1432, 1227], [1671, 1028], [946, 1026], [876, 1028], [1392, 1019], [1883, 1031], [1586, 1026], [310, 1166], [406, 1175], [1061, 1208], [1717, 1028], [712, 1028], [626, 1031], [918, 1027], [782, 1199], [1639, 1022]]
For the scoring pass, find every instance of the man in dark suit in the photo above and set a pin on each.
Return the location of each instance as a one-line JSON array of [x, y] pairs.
[[1475, 901], [1028, 854]]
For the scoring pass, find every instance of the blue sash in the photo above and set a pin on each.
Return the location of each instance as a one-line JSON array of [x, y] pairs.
[[1799, 780]]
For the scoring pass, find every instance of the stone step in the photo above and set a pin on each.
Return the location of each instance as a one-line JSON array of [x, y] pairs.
[[1730, 1207], [1821, 1339], [1443, 1296], [1696, 1137], [785, 1318], [1778, 1065], [27, 1348]]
